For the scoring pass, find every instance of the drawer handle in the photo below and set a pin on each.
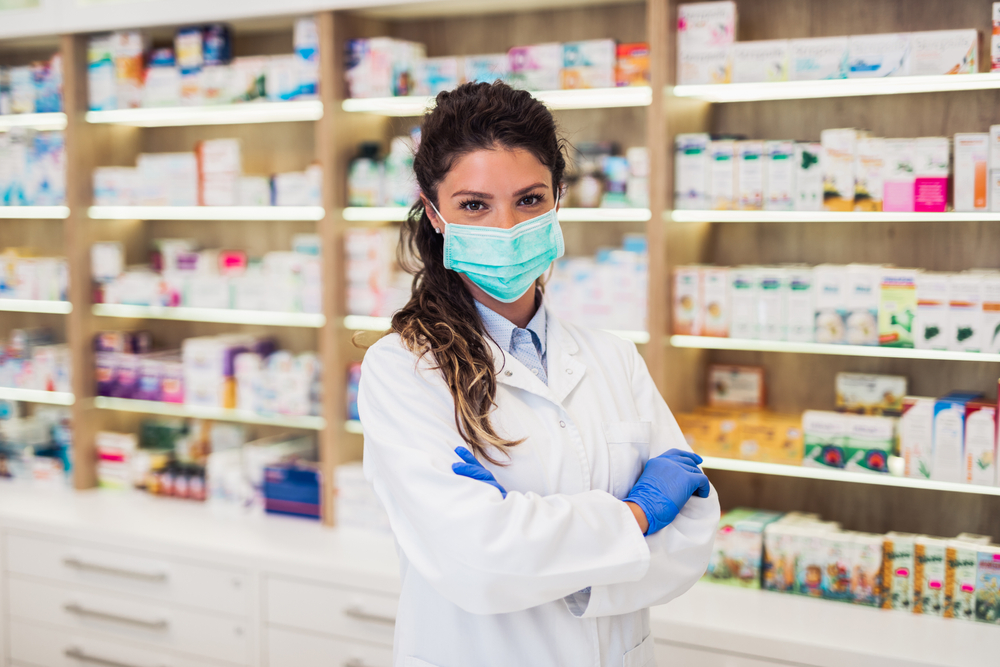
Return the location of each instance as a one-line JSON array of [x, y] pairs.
[[80, 610], [74, 562], [360, 614], [75, 653]]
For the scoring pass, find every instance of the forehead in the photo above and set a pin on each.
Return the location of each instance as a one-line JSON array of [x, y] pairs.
[[496, 170]]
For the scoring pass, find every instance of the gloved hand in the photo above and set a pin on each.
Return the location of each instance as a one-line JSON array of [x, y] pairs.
[[474, 469], [666, 484]]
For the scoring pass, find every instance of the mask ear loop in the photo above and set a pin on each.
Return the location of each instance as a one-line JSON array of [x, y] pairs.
[[438, 214]]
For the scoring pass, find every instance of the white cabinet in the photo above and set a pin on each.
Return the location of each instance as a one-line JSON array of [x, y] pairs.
[[287, 648]]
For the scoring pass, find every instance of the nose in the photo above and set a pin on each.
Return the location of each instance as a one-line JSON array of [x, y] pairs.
[[508, 217]]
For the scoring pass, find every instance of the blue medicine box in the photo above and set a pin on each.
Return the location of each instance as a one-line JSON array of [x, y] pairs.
[[292, 489]]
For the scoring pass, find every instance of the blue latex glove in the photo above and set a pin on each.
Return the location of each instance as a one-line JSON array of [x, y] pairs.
[[474, 469], [666, 484]]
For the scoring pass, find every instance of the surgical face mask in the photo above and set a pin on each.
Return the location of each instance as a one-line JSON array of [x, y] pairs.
[[504, 263]]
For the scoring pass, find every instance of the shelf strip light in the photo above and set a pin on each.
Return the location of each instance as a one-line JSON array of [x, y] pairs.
[[35, 121], [219, 414], [268, 213], [828, 216], [398, 214], [34, 212], [798, 90], [221, 315], [778, 469], [353, 426], [229, 114], [36, 306], [710, 343], [588, 98], [36, 396]]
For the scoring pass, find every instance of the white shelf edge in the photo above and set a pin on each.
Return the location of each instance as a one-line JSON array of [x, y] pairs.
[[34, 212], [587, 98], [36, 306], [220, 315], [881, 479], [37, 396], [353, 426], [710, 343], [227, 114], [399, 213], [219, 414], [828, 216], [797, 90], [266, 213], [35, 121]]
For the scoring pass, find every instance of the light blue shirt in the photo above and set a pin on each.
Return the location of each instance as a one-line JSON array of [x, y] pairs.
[[526, 345]]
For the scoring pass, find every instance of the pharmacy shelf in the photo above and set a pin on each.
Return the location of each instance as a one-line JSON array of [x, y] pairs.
[[269, 213], [365, 323], [399, 213], [34, 212], [353, 426], [218, 414], [35, 121], [718, 463], [36, 306], [589, 98], [228, 114], [710, 343], [36, 396], [799, 90], [827, 216], [221, 315]]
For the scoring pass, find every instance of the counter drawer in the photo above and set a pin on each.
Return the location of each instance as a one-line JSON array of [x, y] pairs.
[[331, 610], [40, 646], [286, 648], [134, 573], [195, 632]]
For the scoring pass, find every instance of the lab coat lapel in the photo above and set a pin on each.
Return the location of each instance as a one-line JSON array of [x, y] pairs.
[[513, 373], [565, 370]]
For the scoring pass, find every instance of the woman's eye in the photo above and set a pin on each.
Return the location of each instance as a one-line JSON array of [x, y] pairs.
[[531, 200], [473, 206]]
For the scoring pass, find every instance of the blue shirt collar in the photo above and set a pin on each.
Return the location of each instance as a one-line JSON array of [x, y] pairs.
[[500, 329]]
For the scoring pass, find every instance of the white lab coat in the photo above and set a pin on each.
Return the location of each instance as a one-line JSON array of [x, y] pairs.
[[488, 581]]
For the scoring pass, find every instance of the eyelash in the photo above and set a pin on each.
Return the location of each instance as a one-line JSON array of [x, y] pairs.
[[468, 202]]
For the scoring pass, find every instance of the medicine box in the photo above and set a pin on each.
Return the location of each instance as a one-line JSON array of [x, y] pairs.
[[898, 179], [897, 309], [722, 188], [836, 583], [704, 66], [712, 432], [589, 64], [739, 544], [435, 75], [981, 443], [929, 572], [743, 294], [867, 394], [932, 324], [715, 301], [830, 288], [761, 61], [808, 181], [486, 68], [932, 161], [800, 304], [990, 291], [705, 24], [779, 175], [536, 67], [838, 162], [692, 171], [825, 435], [818, 58], [863, 289], [750, 175], [988, 585], [632, 65], [866, 584], [944, 52], [948, 460], [687, 301], [961, 564], [972, 171], [812, 548], [995, 39], [965, 312], [869, 174], [870, 441], [916, 436], [897, 570], [771, 439], [736, 387], [772, 303], [880, 55]]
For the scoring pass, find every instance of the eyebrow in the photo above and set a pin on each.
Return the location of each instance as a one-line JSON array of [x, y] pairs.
[[486, 195]]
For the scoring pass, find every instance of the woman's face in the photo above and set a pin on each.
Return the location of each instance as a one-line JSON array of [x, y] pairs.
[[493, 188]]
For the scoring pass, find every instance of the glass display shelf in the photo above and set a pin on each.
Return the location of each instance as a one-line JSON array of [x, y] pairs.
[[267, 213], [828, 216], [800, 90], [224, 114], [366, 323], [880, 479], [399, 213], [34, 121], [710, 343], [586, 98], [219, 414], [221, 315], [36, 306], [37, 396], [34, 212]]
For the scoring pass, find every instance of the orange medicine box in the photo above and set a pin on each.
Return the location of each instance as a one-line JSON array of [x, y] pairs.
[[712, 432], [771, 439], [633, 65]]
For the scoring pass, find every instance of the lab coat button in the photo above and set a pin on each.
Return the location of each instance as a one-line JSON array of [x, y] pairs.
[[569, 371], [508, 373], [562, 424], [535, 371]]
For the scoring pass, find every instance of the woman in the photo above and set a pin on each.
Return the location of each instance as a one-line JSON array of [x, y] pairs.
[[507, 445]]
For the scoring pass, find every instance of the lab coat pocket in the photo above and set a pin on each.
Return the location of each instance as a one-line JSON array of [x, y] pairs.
[[642, 655], [628, 451]]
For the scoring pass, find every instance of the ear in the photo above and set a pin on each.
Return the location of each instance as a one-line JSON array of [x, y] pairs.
[[429, 210]]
